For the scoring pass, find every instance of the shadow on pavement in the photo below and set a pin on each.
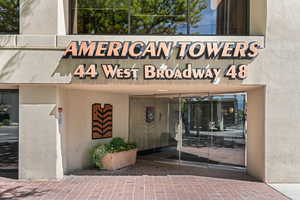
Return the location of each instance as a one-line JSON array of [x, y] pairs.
[[20, 192]]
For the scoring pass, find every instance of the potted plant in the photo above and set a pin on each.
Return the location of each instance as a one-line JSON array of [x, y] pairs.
[[114, 155]]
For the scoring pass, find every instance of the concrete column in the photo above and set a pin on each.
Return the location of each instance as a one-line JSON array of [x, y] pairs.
[[256, 133], [63, 17], [258, 17], [282, 135], [39, 141], [39, 17]]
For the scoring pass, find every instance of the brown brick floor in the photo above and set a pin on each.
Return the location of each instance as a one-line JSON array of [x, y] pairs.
[[146, 180]]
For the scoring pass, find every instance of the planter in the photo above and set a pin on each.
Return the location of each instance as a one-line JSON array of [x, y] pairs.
[[113, 161]]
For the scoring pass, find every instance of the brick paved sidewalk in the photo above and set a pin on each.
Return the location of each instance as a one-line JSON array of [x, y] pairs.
[[144, 181]]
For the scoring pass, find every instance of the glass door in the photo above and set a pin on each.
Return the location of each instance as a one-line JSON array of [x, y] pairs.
[[213, 129], [228, 132], [195, 117], [154, 122], [202, 128]]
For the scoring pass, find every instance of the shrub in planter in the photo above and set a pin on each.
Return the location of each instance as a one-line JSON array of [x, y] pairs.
[[114, 155]]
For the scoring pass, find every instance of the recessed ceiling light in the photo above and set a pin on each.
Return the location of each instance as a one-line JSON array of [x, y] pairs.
[[161, 90]]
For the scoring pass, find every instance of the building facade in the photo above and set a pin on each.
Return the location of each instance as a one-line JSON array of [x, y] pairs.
[[203, 81]]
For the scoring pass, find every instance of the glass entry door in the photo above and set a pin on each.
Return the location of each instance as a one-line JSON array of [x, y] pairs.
[[228, 129], [204, 128], [196, 138], [213, 129], [154, 123]]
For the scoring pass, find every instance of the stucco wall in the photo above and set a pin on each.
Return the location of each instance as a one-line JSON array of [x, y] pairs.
[[77, 108], [30, 66], [38, 17], [39, 149], [278, 68], [283, 95], [256, 133]]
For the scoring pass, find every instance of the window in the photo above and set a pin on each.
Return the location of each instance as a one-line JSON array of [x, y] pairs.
[[100, 16], [9, 132], [165, 17], [9, 17], [160, 17]]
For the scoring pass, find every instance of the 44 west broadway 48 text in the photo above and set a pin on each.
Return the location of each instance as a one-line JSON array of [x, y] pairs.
[[152, 72]]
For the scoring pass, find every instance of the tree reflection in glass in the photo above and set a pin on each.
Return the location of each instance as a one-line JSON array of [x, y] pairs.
[[170, 17], [102, 16], [163, 16], [9, 16]]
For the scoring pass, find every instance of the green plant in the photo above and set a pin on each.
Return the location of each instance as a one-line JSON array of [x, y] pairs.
[[116, 145], [117, 142], [6, 122], [97, 154]]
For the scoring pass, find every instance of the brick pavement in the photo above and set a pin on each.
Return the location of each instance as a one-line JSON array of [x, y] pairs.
[[144, 181]]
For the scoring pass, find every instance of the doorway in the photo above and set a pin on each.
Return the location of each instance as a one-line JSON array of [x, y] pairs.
[[206, 129]]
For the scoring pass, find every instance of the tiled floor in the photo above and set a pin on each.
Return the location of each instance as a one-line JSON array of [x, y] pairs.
[[229, 156], [146, 180]]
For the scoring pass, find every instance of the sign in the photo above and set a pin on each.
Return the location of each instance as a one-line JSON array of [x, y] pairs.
[[158, 50], [161, 50], [102, 121], [150, 114], [60, 118]]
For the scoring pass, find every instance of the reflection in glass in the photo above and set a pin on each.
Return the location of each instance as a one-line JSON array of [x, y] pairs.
[[156, 138], [9, 107], [100, 16], [158, 17], [171, 17], [9, 132], [203, 22], [232, 16], [9, 16], [219, 17], [195, 115], [214, 129], [228, 131], [204, 129]]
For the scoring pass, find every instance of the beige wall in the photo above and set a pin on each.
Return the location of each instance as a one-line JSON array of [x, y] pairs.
[[282, 136], [38, 16], [30, 65], [39, 149], [77, 106], [278, 68], [50, 147], [256, 133]]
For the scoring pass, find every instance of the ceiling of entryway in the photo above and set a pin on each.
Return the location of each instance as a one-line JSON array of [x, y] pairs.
[[163, 88]]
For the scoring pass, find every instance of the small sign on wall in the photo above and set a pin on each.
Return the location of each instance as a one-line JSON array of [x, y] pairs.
[[60, 118], [150, 114], [102, 121]]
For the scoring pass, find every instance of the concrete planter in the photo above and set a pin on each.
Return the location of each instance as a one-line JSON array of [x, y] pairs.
[[113, 161]]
